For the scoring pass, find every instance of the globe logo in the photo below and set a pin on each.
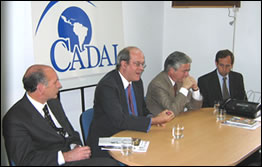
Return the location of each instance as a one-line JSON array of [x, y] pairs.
[[72, 51], [75, 25]]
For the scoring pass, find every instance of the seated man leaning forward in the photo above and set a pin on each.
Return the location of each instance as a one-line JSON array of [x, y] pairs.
[[119, 101], [173, 88]]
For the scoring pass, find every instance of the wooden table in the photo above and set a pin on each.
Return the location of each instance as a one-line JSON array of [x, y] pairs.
[[206, 142]]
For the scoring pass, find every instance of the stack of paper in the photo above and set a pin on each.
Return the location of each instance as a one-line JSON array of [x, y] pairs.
[[242, 122], [115, 143]]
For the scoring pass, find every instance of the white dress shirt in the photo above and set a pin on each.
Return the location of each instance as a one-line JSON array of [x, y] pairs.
[[39, 107]]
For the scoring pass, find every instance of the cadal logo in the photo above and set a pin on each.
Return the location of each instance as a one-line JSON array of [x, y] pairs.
[[75, 32]]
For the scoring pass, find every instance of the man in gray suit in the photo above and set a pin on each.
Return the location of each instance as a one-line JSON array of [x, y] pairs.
[[38, 138], [173, 88]]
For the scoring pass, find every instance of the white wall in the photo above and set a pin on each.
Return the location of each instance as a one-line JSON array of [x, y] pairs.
[[201, 32], [156, 28], [143, 27], [248, 44], [198, 32], [16, 54]]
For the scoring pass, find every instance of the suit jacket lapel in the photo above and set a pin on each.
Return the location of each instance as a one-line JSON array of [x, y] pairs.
[[121, 91], [36, 118], [217, 92], [167, 82], [138, 95], [231, 80]]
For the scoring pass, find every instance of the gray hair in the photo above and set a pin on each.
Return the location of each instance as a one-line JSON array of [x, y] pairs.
[[175, 60], [31, 80], [124, 55]]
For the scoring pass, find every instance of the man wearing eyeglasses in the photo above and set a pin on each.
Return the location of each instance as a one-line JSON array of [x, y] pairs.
[[119, 101], [173, 88], [222, 83]]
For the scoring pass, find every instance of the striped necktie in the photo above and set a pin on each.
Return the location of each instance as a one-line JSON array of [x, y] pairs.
[[51, 122]]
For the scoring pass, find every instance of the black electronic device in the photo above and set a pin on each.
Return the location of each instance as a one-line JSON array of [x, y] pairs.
[[242, 108]]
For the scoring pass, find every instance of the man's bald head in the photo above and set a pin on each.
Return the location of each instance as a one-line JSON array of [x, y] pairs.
[[34, 75]]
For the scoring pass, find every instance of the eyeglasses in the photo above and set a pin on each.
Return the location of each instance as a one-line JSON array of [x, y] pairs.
[[138, 64]]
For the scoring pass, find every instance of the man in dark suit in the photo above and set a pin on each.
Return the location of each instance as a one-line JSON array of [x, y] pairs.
[[114, 109], [35, 137], [211, 84]]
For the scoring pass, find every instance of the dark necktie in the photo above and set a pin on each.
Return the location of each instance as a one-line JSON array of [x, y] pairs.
[[51, 122], [175, 88], [225, 90], [130, 101]]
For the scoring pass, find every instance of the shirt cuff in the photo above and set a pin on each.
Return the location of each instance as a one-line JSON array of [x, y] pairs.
[[184, 91], [61, 160], [72, 146], [196, 95]]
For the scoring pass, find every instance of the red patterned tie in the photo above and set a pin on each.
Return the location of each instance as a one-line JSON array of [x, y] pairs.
[[175, 88], [130, 99]]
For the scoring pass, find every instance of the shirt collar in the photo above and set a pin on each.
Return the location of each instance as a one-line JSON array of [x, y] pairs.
[[39, 106], [124, 81], [220, 76], [172, 82]]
